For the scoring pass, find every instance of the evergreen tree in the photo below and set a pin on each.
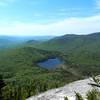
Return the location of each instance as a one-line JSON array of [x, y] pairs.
[[78, 96], [65, 98], [2, 84]]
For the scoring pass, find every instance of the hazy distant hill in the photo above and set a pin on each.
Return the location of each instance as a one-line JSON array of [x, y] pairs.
[[83, 49], [69, 43], [10, 41], [18, 66]]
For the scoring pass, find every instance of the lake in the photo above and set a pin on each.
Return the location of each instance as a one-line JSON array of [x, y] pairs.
[[50, 63]]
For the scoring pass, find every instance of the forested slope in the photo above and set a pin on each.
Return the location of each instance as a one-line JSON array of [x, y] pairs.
[[22, 77]]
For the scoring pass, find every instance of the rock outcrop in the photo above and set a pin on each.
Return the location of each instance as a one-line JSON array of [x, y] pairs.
[[68, 90]]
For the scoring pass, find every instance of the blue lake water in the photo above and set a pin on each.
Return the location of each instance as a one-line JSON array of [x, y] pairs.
[[50, 63]]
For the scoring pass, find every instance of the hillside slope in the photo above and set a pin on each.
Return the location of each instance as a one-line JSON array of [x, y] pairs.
[[83, 49], [69, 43], [24, 78]]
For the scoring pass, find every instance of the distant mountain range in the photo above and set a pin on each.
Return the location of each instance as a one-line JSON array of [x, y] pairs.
[[19, 68], [25, 38], [83, 49], [9, 41], [69, 43]]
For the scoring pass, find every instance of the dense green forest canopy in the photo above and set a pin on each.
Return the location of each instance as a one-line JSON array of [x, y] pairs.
[[84, 49], [22, 77]]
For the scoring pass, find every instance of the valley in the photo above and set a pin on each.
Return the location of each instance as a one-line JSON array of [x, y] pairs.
[[32, 68], [49, 49]]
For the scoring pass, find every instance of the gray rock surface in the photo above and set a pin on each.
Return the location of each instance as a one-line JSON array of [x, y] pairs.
[[68, 90]]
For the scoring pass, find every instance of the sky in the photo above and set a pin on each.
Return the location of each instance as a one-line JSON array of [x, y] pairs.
[[49, 17]]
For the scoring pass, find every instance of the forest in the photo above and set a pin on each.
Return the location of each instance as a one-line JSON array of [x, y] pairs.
[[21, 77]]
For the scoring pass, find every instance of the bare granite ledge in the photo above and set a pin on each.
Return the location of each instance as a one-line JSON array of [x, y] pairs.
[[68, 90]]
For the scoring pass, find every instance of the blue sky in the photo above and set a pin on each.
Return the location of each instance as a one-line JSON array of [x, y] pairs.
[[45, 17]]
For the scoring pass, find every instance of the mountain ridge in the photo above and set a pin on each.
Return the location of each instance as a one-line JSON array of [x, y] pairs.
[[69, 41]]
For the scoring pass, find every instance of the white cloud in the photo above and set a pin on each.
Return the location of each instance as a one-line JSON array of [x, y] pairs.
[[73, 25], [2, 4], [5, 2], [98, 4], [37, 15]]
